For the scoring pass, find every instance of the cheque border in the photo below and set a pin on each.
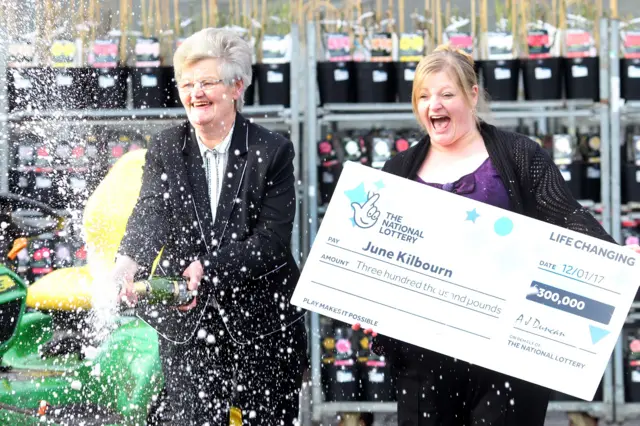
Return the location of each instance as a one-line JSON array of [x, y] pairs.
[[400, 310]]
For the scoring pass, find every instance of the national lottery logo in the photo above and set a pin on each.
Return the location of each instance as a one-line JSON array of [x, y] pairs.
[[365, 214], [364, 209]]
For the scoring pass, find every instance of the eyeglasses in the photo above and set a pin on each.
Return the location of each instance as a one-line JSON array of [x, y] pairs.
[[206, 85]]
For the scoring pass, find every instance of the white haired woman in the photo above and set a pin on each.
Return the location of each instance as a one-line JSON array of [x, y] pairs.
[[218, 199]]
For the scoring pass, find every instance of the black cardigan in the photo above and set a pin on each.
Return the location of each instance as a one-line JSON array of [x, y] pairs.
[[534, 183]]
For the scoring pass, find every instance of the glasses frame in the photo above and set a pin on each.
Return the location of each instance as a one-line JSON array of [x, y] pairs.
[[210, 85]]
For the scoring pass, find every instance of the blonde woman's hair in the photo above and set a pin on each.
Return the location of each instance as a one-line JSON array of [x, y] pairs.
[[460, 67], [232, 52]]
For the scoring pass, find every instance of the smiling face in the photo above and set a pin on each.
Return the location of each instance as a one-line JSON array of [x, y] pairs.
[[444, 109], [206, 99]]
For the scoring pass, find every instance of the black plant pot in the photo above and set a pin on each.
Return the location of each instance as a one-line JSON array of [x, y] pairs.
[[71, 88], [477, 67], [630, 79], [152, 87], [574, 175], [582, 78], [274, 84], [404, 73], [591, 187], [336, 82], [250, 92], [631, 182], [108, 87], [375, 82], [500, 79], [542, 78], [29, 88], [173, 101], [344, 381], [377, 382]]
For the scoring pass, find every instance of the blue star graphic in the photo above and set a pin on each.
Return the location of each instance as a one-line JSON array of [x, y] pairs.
[[472, 215], [379, 184], [357, 194]]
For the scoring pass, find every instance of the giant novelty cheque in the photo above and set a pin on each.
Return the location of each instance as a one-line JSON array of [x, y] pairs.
[[469, 280]]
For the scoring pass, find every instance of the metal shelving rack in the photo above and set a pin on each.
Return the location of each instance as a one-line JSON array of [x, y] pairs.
[[316, 117], [620, 111]]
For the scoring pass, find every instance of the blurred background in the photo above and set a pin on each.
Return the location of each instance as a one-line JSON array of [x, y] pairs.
[[88, 81]]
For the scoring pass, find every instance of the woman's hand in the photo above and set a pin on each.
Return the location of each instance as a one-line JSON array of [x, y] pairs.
[[367, 331], [123, 274], [194, 273]]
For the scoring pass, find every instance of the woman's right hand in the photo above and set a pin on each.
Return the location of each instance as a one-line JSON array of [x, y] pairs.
[[127, 293], [122, 275], [367, 331]]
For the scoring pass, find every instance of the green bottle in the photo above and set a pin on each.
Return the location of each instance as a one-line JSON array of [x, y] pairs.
[[164, 290]]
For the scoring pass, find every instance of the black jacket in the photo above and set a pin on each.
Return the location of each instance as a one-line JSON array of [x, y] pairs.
[[534, 184], [250, 272]]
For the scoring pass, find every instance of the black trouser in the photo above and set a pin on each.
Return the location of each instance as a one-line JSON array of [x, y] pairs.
[[203, 378], [437, 390]]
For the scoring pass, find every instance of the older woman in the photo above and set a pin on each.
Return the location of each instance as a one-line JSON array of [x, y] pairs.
[[466, 156], [218, 202]]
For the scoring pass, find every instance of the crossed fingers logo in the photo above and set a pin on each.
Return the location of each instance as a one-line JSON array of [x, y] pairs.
[[366, 215]]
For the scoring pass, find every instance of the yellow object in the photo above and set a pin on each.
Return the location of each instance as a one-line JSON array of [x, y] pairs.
[[104, 223], [235, 417], [6, 283]]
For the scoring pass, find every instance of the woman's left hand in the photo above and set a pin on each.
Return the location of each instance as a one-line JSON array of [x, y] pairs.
[[634, 247], [194, 273]]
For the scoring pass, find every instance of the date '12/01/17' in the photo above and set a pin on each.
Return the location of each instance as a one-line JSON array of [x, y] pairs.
[[571, 272]]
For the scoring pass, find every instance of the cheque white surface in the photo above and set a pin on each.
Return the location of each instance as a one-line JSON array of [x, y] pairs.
[[469, 280]]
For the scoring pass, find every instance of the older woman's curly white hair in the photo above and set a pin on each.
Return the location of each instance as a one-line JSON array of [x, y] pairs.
[[232, 52]]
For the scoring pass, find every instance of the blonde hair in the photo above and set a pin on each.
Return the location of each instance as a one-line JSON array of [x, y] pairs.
[[458, 64], [233, 53]]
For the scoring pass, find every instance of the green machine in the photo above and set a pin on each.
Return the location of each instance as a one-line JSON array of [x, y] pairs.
[[52, 370]]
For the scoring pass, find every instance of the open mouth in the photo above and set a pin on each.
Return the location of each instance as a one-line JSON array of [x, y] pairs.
[[440, 122], [200, 104]]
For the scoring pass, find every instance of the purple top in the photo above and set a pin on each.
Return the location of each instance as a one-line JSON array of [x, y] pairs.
[[482, 185]]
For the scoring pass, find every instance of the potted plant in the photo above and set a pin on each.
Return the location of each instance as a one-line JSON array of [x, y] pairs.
[[152, 78], [274, 55], [411, 48], [630, 61], [107, 58], [542, 65], [250, 30], [373, 57], [253, 34], [500, 67], [69, 76], [23, 74], [579, 25], [42, 72], [335, 73]]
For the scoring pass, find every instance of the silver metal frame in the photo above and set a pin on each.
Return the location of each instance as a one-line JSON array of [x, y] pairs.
[[541, 110], [262, 113]]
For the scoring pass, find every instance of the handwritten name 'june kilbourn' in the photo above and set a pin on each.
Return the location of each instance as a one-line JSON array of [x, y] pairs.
[[408, 259]]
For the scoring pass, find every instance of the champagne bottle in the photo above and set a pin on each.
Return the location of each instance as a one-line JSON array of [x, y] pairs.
[[164, 290]]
